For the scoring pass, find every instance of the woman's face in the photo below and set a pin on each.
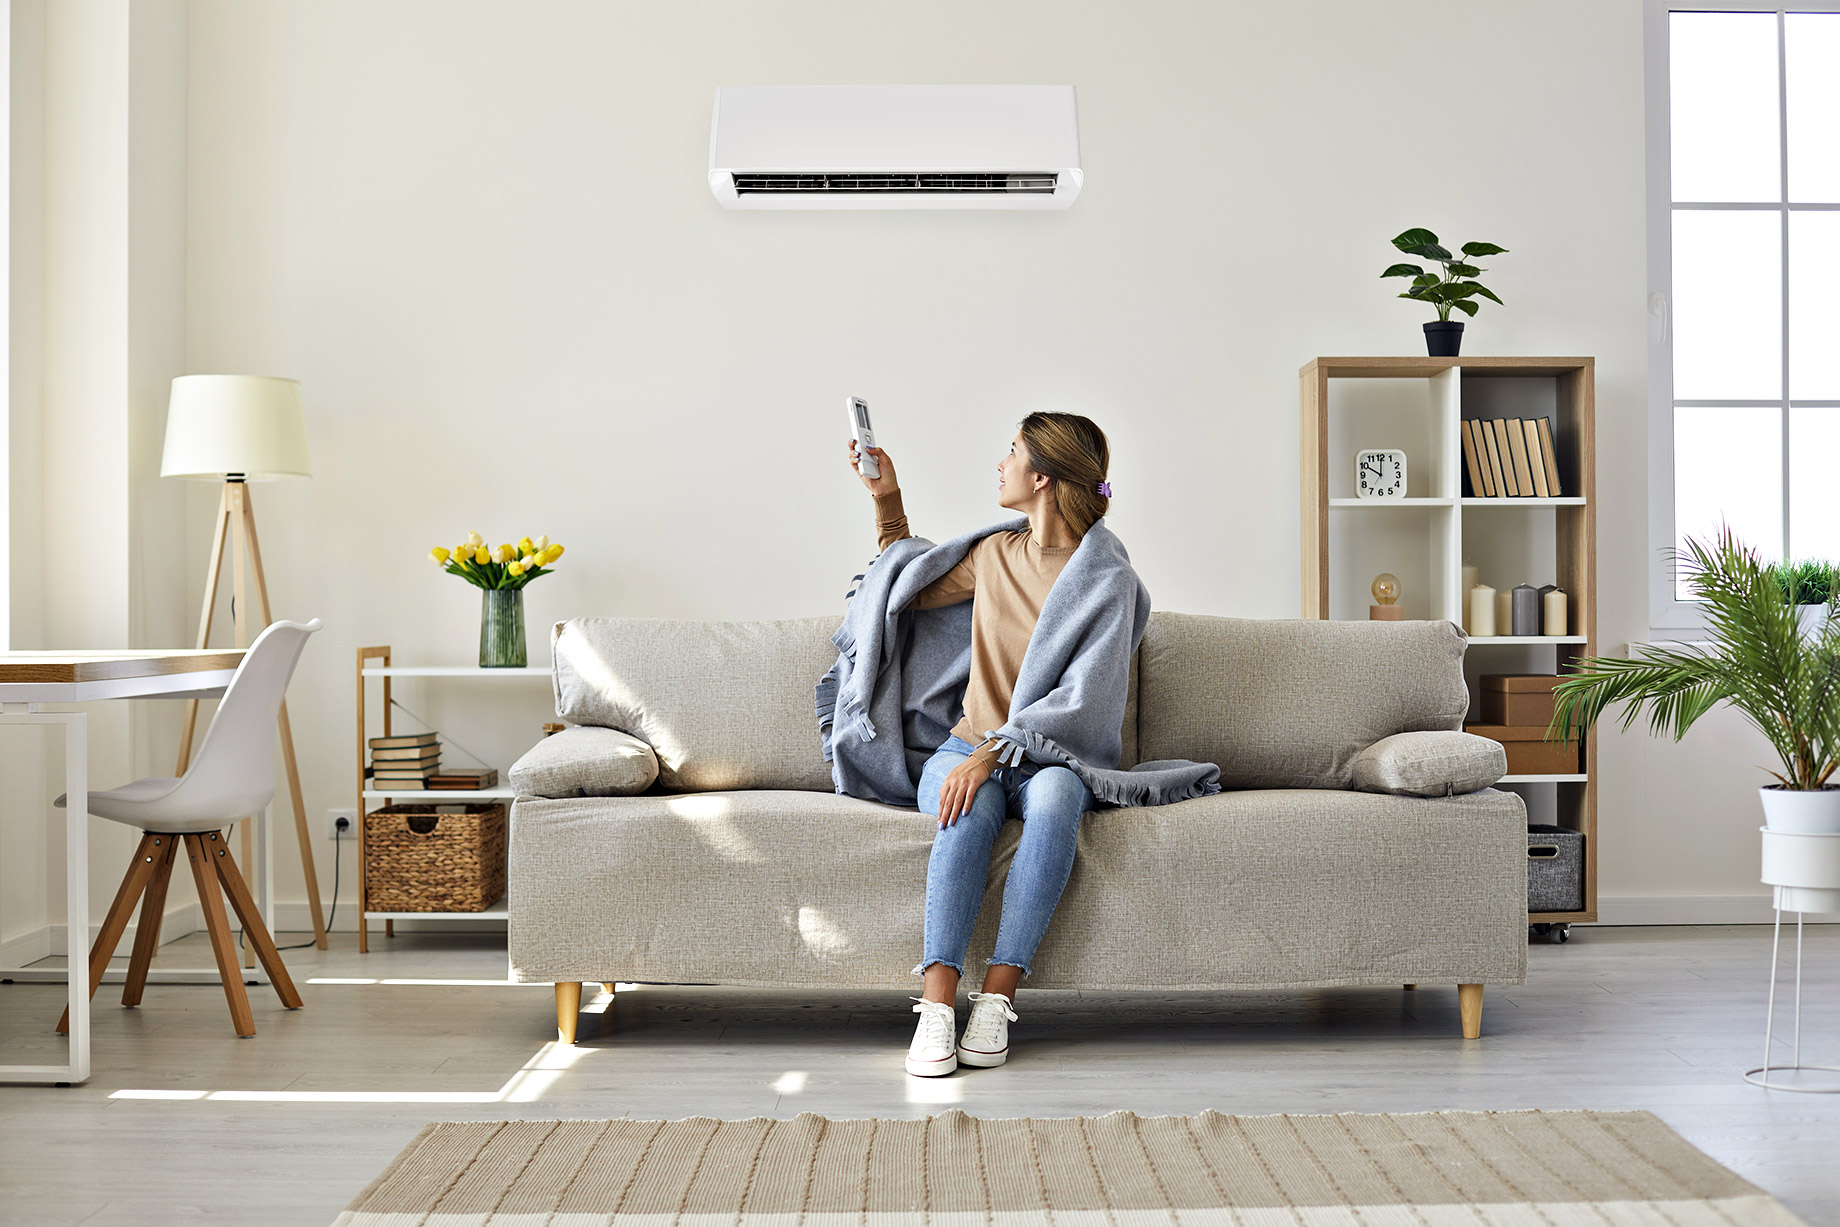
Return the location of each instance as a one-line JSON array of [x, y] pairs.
[[1015, 479]]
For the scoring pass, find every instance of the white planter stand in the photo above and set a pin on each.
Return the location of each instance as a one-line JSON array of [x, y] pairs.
[[1805, 872]]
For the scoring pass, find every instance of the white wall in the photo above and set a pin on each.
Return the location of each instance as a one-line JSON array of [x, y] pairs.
[[480, 234], [96, 334]]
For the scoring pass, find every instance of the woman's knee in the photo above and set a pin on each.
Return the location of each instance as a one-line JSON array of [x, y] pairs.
[[1058, 790]]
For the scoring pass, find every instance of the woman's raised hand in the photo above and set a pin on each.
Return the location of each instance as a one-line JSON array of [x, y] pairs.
[[886, 483]]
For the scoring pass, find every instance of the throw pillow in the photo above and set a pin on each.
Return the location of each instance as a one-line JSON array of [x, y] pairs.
[[585, 761], [1429, 764]]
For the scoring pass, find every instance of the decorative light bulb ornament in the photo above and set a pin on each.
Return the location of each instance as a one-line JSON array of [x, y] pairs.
[[1386, 592]]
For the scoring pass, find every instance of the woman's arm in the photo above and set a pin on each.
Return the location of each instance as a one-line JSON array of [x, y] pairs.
[[958, 584]]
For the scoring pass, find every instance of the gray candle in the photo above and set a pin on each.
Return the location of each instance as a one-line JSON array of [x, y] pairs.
[[1525, 616]]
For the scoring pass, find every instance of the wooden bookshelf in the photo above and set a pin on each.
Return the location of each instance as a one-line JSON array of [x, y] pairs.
[[1416, 405]]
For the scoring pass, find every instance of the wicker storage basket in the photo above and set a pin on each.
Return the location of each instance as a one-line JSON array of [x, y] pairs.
[[434, 858]]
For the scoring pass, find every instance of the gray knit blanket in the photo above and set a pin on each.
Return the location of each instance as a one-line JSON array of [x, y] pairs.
[[898, 686]]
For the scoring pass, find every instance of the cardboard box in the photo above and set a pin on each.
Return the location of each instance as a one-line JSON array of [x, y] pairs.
[[1518, 698], [1529, 753]]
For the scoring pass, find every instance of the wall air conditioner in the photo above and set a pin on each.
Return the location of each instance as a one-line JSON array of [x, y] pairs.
[[895, 147]]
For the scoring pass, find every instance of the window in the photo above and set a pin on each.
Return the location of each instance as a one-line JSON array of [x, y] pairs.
[[1744, 212]]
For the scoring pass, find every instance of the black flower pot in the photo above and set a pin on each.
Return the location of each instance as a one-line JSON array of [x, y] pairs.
[[1443, 338]]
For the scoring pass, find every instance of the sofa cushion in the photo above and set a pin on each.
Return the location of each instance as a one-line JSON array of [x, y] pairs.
[[722, 704], [585, 761], [1289, 703], [1251, 889], [1430, 764]]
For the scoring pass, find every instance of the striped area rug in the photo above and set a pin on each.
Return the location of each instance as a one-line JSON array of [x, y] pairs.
[[1486, 1169]]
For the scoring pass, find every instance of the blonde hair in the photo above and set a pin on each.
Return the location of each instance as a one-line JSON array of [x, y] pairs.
[[1072, 450]]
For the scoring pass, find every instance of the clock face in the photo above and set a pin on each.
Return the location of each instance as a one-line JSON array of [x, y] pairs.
[[1380, 473]]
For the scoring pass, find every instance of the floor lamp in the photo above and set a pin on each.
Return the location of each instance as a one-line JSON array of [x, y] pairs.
[[236, 429]]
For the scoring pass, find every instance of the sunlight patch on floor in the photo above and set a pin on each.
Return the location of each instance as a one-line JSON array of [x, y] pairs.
[[527, 1085]]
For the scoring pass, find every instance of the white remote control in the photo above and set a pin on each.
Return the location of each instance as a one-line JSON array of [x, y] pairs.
[[864, 436]]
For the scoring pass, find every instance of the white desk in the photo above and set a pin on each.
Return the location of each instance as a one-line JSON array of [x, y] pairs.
[[28, 681]]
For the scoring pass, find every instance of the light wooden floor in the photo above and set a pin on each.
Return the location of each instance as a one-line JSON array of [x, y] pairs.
[[184, 1123]]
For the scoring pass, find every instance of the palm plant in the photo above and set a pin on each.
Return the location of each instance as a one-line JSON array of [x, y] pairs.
[[1755, 658]]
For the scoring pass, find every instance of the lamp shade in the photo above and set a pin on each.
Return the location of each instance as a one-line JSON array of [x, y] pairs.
[[235, 425]]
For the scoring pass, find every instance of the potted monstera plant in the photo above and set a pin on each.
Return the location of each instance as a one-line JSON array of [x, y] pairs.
[[1455, 286], [1756, 659]]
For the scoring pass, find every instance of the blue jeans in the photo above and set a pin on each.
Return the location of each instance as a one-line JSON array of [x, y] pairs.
[[1050, 802]]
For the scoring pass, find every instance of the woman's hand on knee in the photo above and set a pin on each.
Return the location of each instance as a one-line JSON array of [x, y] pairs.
[[959, 789]]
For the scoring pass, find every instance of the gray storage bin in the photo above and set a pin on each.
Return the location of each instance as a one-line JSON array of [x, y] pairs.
[[1555, 868]]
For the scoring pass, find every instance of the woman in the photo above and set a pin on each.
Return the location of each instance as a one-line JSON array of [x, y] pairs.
[[1055, 474]]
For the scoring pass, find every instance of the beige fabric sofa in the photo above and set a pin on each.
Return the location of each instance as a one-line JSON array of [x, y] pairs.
[[726, 857]]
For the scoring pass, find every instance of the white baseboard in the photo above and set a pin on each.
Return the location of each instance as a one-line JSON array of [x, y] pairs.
[[26, 949], [1756, 909], [46, 941]]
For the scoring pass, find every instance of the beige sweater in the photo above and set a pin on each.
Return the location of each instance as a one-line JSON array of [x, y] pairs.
[[1009, 575]]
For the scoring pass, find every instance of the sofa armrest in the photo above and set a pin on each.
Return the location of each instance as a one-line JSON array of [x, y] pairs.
[[585, 761], [1429, 764]]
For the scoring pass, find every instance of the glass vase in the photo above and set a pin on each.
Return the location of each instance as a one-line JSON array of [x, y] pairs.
[[501, 629]]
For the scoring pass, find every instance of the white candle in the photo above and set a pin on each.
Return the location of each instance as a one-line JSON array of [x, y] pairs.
[[1504, 612], [1471, 577], [1481, 610], [1556, 613]]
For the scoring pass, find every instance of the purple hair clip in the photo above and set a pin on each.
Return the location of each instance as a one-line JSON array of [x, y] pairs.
[[1105, 489]]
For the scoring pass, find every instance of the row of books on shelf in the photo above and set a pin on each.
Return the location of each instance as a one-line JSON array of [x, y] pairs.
[[412, 763], [1510, 458]]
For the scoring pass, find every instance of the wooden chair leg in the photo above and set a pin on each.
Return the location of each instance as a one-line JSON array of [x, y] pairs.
[[211, 902], [116, 922], [568, 1009], [253, 928], [153, 912], [1469, 1004]]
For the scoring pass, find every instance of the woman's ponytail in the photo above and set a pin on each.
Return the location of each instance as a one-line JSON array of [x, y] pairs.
[[1072, 450]]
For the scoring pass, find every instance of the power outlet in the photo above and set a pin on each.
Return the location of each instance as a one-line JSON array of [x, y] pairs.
[[341, 823]]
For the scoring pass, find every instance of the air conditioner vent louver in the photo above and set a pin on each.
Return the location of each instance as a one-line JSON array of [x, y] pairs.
[[993, 147], [836, 184]]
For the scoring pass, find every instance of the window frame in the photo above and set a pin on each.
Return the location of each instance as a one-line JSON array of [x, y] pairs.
[[1670, 617]]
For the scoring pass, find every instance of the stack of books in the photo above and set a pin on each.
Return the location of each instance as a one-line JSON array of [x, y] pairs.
[[404, 764], [460, 779], [1510, 458]]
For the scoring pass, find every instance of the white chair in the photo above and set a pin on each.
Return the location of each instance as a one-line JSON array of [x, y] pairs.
[[232, 777]]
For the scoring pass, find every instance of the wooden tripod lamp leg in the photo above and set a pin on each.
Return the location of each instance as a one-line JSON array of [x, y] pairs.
[[204, 619], [295, 799], [236, 529]]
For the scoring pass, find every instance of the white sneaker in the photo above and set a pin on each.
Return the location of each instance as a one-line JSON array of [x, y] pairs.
[[986, 1041], [933, 1053]]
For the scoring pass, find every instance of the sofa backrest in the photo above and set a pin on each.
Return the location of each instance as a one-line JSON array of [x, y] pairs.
[[724, 705], [1288, 703]]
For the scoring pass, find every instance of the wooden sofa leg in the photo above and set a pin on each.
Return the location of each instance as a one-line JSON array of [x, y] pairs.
[[1410, 987], [568, 1009], [1469, 1004]]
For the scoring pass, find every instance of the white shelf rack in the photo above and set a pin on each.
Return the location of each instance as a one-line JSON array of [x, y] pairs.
[[1417, 405], [386, 672]]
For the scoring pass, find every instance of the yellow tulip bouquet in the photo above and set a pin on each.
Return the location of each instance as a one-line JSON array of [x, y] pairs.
[[502, 574], [508, 566]]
